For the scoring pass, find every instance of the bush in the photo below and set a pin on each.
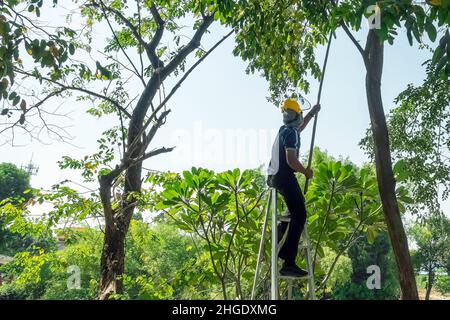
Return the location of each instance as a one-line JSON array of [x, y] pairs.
[[443, 284], [13, 292], [363, 255], [161, 264]]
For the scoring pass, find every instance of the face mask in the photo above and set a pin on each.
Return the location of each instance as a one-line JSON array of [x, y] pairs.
[[297, 121], [300, 119]]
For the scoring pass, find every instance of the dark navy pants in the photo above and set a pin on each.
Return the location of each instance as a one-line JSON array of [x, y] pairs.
[[288, 187]]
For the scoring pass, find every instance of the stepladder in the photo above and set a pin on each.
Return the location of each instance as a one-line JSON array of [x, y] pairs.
[[277, 238]]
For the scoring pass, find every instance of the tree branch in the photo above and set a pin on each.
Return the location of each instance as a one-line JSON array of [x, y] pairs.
[[178, 84], [155, 127], [67, 87], [151, 47], [123, 19], [154, 153], [35, 106], [136, 126], [103, 8], [355, 42], [185, 51]]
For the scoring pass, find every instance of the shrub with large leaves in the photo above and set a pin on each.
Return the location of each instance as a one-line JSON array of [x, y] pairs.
[[224, 211]]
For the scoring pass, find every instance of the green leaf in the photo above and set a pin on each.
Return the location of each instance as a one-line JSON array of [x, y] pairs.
[[16, 100], [169, 194], [431, 30], [438, 54], [371, 234], [410, 38], [71, 49]]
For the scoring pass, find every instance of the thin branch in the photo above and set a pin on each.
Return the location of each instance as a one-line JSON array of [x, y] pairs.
[[151, 47], [355, 42], [68, 87], [185, 51], [154, 153], [123, 19], [35, 106], [155, 127], [120, 45], [175, 88], [139, 36]]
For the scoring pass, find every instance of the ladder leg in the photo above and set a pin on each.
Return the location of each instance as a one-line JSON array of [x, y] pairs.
[[261, 245], [274, 255], [311, 284], [290, 284]]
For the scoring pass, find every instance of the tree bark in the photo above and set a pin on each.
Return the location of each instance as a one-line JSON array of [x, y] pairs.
[[383, 161], [112, 264], [429, 284]]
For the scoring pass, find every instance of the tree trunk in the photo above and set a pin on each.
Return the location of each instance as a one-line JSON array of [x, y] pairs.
[[383, 161], [112, 263], [117, 223], [429, 284]]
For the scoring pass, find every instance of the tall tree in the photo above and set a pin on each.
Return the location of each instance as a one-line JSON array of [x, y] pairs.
[[419, 127], [16, 233], [432, 238], [13, 181], [134, 50], [362, 255], [280, 39]]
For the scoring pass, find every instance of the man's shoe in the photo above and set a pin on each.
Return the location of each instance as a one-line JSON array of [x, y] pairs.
[[293, 271]]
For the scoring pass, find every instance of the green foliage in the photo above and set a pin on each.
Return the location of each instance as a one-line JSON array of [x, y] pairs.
[[419, 130], [13, 181], [443, 284], [161, 263], [343, 197], [43, 274], [278, 38], [17, 233], [274, 38], [225, 211], [345, 211], [362, 255], [203, 243], [98, 164], [343, 202], [342, 270], [432, 238], [50, 51], [222, 209]]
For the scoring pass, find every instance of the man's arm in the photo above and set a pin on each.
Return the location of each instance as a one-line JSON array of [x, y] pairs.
[[309, 116], [295, 164]]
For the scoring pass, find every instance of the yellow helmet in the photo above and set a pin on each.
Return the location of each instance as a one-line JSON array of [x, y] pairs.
[[292, 104], [436, 3]]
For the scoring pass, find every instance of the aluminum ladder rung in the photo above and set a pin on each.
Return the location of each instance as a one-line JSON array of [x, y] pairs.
[[294, 278], [300, 247]]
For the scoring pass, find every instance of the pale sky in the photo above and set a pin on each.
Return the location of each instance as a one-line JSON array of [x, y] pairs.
[[221, 118]]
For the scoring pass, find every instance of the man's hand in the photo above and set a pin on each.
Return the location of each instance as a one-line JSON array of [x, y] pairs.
[[308, 173], [309, 116], [315, 110]]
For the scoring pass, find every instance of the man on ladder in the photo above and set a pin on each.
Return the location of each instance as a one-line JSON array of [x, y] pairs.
[[281, 176]]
